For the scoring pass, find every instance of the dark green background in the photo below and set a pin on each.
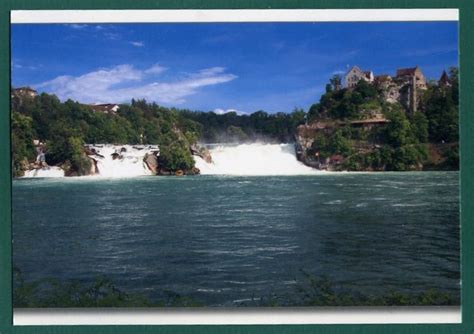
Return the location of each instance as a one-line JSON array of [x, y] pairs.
[[466, 11]]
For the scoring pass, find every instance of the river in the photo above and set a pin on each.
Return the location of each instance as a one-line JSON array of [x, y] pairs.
[[225, 240]]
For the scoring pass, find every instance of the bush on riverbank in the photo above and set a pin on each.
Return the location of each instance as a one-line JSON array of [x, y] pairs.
[[310, 291]]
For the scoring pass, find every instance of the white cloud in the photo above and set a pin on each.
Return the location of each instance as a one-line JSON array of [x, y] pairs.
[[124, 82], [138, 44], [155, 69]]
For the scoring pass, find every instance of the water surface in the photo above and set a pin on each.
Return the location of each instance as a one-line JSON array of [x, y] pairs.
[[223, 240]]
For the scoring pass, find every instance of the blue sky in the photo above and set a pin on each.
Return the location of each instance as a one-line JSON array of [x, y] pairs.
[[224, 66]]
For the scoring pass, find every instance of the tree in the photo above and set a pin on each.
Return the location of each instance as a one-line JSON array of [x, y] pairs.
[[442, 114], [175, 157], [419, 124], [336, 82], [398, 131], [22, 146]]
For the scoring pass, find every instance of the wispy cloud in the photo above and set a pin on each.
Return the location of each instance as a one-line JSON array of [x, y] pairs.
[[138, 44], [155, 69], [124, 82], [21, 66], [338, 72], [77, 26], [430, 51], [112, 35]]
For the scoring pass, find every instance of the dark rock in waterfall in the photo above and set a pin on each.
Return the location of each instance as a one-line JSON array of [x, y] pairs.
[[151, 160], [201, 152]]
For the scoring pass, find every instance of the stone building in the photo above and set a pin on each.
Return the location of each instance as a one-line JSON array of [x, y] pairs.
[[411, 81], [23, 92], [405, 87], [355, 75], [383, 80], [411, 75]]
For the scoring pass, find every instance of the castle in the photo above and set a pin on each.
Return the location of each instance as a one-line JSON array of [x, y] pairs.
[[404, 87], [23, 92]]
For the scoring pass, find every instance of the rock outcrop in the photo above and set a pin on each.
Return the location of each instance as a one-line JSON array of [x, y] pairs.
[[151, 160], [201, 152]]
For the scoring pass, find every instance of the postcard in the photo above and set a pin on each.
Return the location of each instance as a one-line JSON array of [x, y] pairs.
[[233, 164]]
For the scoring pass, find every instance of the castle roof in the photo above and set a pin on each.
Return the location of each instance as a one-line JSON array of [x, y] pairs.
[[26, 88], [406, 71], [444, 78], [383, 77]]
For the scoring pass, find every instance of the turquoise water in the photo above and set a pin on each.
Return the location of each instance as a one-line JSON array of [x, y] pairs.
[[224, 240]]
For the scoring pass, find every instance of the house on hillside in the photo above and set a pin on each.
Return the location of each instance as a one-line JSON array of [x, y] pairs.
[[23, 92], [107, 108], [355, 75], [411, 75]]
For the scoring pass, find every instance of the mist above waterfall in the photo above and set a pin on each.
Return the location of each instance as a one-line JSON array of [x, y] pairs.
[[253, 159]]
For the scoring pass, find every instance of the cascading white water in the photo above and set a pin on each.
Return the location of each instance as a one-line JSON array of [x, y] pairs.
[[50, 171], [253, 159], [111, 161], [123, 160]]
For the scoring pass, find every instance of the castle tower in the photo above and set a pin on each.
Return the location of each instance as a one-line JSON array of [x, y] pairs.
[[413, 100]]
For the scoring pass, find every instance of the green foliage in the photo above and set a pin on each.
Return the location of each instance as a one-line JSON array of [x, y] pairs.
[[419, 124], [320, 291], [340, 144], [335, 82], [346, 103], [441, 106], [176, 156], [65, 127], [451, 158], [22, 142], [398, 132], [100, 293], [325, 146], [310, 290], [235, 133], [230, 127]]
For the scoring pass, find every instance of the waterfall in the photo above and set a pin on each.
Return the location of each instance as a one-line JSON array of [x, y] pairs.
[[253, 159], [241, 159], [49, 171], [122, 160], [111, 161]]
